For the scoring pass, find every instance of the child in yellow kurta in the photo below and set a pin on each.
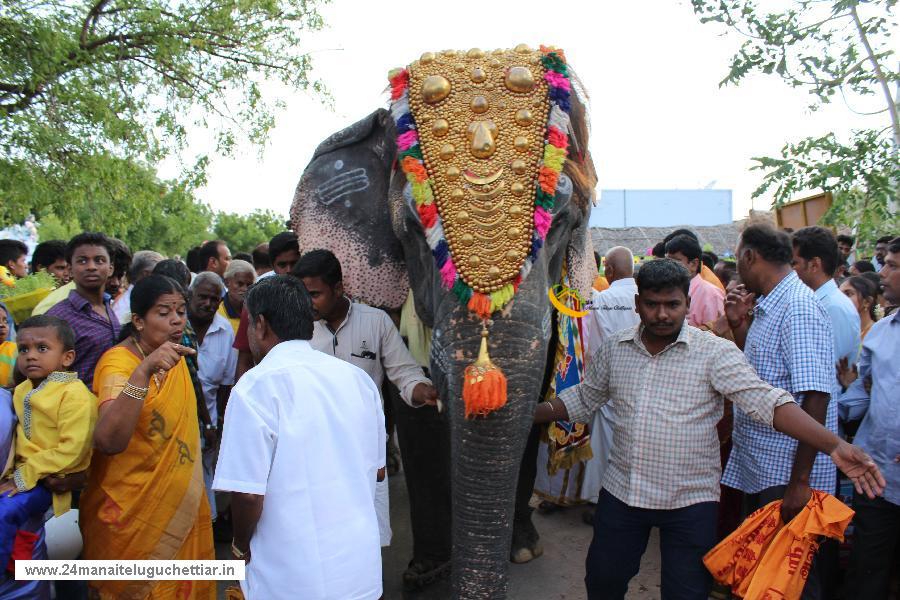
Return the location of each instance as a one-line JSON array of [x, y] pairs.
[[56, 414], [7, 352]]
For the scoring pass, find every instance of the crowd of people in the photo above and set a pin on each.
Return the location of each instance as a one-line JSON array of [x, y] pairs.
[[175, 403]]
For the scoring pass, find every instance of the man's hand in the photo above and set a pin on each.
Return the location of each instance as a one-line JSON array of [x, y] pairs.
[[796, 497], [69, 483], [860, 468], [211, 439], [846, 373], [738, 304], [424, 394]]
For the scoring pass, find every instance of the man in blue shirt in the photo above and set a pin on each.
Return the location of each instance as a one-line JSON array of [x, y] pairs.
[[786, 336], [877, 522], [815, 259]]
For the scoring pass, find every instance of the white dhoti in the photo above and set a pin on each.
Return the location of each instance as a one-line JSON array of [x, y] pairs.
[[383, 510], [601, 441]]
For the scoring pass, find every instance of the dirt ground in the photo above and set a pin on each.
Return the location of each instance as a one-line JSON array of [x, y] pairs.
[[557, 575]]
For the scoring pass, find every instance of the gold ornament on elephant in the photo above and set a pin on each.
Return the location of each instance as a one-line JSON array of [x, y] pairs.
[[481, 119]]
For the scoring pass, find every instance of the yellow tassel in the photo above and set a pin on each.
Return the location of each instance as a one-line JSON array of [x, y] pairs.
[[484, 388]]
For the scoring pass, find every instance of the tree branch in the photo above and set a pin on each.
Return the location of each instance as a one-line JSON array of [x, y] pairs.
[[879, 74]]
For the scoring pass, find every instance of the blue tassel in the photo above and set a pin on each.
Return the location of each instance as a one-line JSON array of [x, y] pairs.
[[405, 123], [536, 244], [562, 98], [441, 253]]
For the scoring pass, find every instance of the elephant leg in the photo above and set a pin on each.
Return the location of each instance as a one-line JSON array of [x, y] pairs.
[[425, 452], [526, 545]]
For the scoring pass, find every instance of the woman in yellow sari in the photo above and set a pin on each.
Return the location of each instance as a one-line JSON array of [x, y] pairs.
[[145, 498]]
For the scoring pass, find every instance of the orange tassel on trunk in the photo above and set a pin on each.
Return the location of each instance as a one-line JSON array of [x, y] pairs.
[[484, 388]]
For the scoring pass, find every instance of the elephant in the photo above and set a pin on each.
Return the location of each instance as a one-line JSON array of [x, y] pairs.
[[354, 200]]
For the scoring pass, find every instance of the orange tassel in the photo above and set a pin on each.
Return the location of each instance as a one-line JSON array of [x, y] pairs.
[[480, 304], [484, 387]]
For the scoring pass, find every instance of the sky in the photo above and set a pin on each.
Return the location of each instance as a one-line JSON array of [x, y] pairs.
[[659, 119]]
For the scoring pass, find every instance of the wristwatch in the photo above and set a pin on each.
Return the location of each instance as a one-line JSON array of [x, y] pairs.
[[237, 553]]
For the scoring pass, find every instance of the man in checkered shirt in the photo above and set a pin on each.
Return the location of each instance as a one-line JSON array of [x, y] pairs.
[[665, 384], [787, 337]]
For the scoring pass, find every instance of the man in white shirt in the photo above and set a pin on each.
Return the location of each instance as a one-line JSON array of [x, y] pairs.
[[303, 445], [142, 264], [611, 310], [216, 359], [363, 336]]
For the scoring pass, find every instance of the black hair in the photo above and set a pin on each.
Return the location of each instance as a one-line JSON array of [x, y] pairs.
[[875, 278], [121, 257], [865, 288], [193, 260], [709, 259], [207, 251], [145, 294], [64, 331], [281, 243], [11, 250], [884, 239], [244, 256], [846, 239], [261, 258], [174, 269], [817, 242], [663, 274], [685, 245], [89, 238], [894, 245], [47, 253], [678, 232], [774, 246], [864, 266], [286, 305], [319, 263], [659, 250]]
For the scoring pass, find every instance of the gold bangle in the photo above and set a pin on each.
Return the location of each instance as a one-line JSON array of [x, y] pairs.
[[133, 391]]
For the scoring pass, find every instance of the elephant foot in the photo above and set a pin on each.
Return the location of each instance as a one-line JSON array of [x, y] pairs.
[[526, 542], [422, 573], [526, 554]]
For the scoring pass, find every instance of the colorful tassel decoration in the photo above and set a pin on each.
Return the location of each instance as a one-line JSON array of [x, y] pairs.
[[484, 386]]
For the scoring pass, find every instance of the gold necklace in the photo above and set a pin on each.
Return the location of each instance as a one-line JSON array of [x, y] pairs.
[[144, 357]]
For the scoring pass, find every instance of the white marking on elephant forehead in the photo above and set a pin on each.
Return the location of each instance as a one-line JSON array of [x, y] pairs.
[[545, 324], [354, 180], [338, 165]]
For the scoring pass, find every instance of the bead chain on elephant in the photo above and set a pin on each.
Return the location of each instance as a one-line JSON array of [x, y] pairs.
[[354, 200]]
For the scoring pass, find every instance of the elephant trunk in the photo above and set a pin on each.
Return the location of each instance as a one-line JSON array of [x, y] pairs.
[[486, 451]]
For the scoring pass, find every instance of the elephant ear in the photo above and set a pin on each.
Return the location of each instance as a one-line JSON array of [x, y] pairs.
[[341, 205]]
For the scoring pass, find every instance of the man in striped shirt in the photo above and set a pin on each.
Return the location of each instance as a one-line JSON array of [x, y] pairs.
[[665, 383]]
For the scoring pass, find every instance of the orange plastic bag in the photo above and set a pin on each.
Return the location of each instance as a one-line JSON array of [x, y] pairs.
[[785, 566], [764, 560], [735, 559]]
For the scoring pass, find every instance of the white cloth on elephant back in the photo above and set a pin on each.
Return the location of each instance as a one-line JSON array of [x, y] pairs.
[[369, 340]]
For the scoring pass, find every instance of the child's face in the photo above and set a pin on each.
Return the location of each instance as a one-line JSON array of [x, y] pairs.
[[41, 352], [4, 326]]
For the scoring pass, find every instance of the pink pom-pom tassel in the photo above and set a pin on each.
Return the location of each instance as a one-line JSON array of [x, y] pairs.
[[448, 274], [405, 140], [542, 220]]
